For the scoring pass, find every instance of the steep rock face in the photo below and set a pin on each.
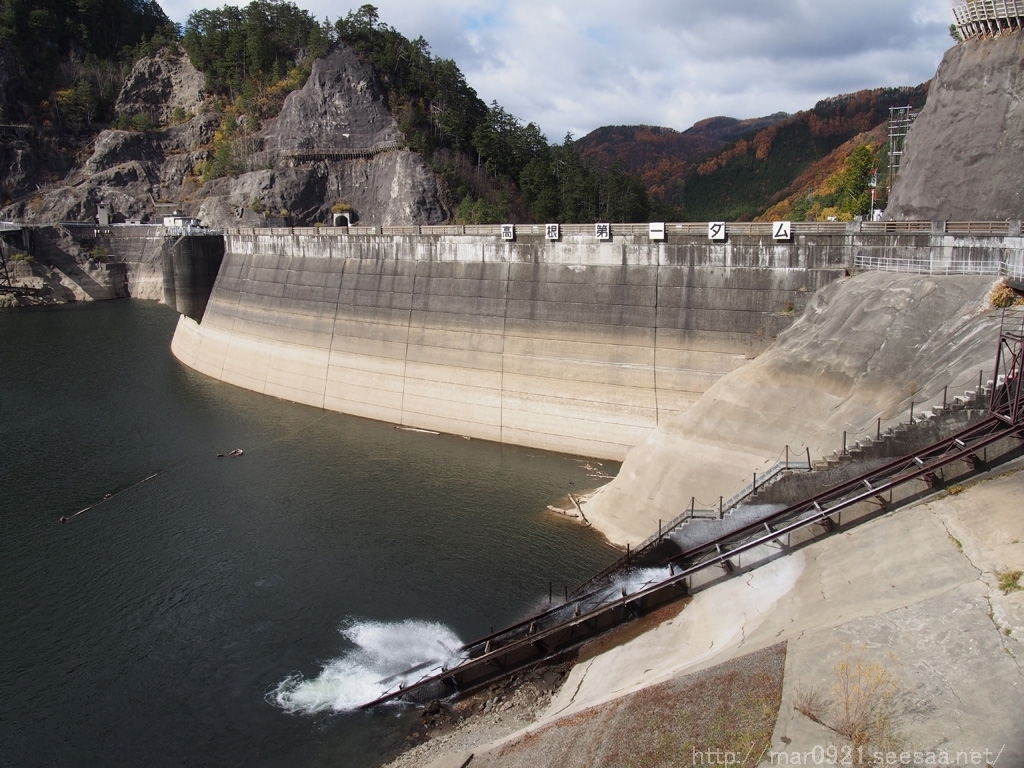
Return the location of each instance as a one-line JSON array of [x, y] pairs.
[[129, 171], [19, 164], [341, 106], [964, 152], [389, 189], [161, 83], [115, 148]]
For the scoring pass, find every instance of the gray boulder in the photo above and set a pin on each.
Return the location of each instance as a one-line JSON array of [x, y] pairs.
[[161, 83], [341, 106]]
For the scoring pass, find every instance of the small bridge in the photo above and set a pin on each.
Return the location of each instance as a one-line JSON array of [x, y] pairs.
[[602, 604]]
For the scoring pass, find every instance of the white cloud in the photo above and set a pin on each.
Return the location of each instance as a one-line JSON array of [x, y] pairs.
[[575, 65]]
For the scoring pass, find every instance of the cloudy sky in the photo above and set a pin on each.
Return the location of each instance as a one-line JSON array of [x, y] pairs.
[[575, 65]]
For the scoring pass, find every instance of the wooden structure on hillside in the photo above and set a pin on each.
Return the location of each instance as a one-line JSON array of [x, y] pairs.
[[339, 153], [987, 18]]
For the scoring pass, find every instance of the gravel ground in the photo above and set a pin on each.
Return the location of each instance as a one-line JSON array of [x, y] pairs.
[[493, 714], [729, 708], [722, 715]]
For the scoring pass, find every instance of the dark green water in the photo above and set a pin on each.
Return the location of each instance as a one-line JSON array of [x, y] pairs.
[[157, 628]]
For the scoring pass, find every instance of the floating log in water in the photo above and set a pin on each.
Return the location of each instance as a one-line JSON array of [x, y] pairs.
[[109, 496]]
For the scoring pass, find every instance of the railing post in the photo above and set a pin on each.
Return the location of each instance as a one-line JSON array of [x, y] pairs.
[[787, 457], [844, 442], [753, 488], [911, 411], [693, 504], [720, 508], [659, 529], [550, 593], [945, 389], [808, 458], [878, 429]]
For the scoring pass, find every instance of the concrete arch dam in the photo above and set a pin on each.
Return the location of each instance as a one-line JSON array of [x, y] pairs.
[[576, 345]]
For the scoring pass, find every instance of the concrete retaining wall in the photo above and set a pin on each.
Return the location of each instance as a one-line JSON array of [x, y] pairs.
[[574, 346]]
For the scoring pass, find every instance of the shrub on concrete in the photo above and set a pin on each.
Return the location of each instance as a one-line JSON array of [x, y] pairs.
[[864, 707], [1004, 296]]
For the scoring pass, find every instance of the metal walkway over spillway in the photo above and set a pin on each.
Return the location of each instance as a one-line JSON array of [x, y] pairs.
[[670, 573]]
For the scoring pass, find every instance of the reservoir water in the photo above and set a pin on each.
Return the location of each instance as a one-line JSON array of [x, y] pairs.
[[231, 611]]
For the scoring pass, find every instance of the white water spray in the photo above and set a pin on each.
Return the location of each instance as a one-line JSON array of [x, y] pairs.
[[638, 579], [381, 653]]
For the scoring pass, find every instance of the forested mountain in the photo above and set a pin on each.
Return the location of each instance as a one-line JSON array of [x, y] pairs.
[[491, 166], [791, 156], [62, 61], [661, 155]]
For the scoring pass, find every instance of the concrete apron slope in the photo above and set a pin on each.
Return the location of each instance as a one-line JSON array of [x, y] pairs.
[[914, 592], [864, 349]]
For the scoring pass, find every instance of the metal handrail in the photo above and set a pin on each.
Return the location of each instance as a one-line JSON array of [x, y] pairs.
[[928, 265]]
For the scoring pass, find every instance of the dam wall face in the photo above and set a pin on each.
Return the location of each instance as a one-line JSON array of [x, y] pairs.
[[577, 345]]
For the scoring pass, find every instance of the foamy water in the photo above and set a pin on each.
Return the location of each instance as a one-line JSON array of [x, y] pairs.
[[380, 654], [639, 579]]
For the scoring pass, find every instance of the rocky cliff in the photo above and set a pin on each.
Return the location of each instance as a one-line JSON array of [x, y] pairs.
[[143, 173], [341, 109], [963, 154]]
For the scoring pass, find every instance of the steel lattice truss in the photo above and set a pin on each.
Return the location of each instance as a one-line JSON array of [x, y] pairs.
[[1007, 392]]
